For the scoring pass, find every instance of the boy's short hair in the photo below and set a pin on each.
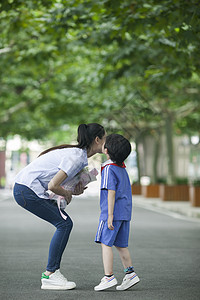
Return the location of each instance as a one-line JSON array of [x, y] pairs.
[[118, 148]]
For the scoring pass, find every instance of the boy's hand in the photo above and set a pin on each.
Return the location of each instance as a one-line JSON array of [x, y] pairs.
[[110, 222]]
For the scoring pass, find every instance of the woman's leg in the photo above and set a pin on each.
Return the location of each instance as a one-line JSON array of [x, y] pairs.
[[58, 243], [49, 212]]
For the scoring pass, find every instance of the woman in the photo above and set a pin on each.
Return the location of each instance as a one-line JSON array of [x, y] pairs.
[[53, 167]]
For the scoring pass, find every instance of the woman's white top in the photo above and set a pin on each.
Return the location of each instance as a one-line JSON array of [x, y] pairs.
[[39, 172]]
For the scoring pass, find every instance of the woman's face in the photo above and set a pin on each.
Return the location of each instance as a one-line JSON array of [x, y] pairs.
[[103, 140], [97, 146], [100, 144]]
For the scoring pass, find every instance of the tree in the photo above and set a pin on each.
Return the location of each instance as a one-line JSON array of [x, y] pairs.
[[38, 83], [66, 62], [159, 42]]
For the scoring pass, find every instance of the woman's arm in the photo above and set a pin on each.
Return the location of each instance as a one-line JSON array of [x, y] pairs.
[[111, 204], [55, 186]]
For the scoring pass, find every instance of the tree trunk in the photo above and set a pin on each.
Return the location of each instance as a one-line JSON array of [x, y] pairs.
[[155, 158], [3, 164], [138, 157], [170, 152]]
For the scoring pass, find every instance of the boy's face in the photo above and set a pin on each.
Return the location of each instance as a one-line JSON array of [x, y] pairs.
[[103, 149]]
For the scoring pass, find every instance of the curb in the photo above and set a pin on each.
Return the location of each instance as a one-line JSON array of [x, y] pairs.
[[177, 209]]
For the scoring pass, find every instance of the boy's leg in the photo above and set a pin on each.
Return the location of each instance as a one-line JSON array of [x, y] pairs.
[[107, 237], [107, 256], [131, 277], [109, 279], [125, 257]]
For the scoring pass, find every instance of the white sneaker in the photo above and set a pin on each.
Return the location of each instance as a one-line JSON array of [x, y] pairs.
[[128, 281], [56, 281], [106, 283]]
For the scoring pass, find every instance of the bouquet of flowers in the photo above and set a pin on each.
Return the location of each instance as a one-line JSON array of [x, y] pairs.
[[85, 176]]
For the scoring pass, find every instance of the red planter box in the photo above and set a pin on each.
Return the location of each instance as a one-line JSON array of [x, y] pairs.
[[136, 189], [151, 191], [194, 193], [174, 192]]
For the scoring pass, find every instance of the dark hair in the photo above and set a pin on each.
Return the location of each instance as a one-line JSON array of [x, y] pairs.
[[118, 148], [86, 135]]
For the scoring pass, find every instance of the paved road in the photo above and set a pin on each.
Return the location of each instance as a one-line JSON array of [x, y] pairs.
[[166, 254]]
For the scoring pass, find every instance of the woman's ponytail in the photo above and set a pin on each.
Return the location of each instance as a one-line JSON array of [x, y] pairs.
[[86, 135], [83, 138]]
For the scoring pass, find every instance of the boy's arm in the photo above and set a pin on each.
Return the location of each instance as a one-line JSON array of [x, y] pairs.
[[111, 203]]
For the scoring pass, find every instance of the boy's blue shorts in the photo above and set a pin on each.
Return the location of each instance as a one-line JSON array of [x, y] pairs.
[[117, 237]]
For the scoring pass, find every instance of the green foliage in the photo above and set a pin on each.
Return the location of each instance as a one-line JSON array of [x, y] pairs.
[[196, 183], [130, 65], [181, 181]]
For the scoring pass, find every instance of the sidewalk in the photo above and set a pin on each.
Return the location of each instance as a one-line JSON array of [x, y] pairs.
[[177, 209]]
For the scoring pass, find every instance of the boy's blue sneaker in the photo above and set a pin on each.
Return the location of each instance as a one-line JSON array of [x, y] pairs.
[[128, 281], [106, 283]]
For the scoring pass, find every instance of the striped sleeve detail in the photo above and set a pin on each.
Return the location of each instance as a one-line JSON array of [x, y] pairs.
[[105, 179]]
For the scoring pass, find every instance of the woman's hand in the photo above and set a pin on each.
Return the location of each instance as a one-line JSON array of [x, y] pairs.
[[79, 189], [68, 196]]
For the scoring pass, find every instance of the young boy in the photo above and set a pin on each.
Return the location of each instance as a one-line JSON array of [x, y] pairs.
[[116, 208]]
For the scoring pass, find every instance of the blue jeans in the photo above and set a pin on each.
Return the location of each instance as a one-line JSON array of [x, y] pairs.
[[48, 211]]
